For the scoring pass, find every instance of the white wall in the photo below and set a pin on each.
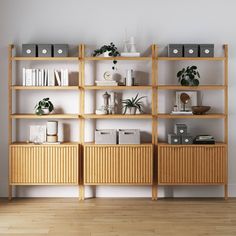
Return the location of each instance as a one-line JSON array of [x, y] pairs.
[[98, 22]]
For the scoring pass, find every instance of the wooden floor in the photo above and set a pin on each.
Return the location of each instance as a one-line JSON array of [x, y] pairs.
[[115, 217]]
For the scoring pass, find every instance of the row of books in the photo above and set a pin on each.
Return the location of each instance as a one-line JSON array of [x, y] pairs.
[[45, 77]]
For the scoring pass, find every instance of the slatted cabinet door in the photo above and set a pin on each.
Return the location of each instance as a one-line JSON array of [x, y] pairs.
[[192, 164], [118, 164], [49, 164]]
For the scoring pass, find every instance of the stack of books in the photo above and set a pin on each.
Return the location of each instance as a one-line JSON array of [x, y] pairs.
[[45, 77], [181, 112], [106, 83]]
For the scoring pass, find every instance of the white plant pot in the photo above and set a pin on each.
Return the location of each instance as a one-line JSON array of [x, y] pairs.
[[106, 54], [132, 110], [45, 111]]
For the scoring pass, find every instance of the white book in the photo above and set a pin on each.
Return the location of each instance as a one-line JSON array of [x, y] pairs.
[[33, 77], [40, 76], [181, 112], [51, 78], [28, 77], [62, 78], [130, 54], [58, 78], [24, 77], [36, 77]]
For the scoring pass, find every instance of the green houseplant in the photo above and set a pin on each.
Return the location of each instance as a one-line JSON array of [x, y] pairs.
[[133, 104], [108, 50], [44, 107], [189, 76]]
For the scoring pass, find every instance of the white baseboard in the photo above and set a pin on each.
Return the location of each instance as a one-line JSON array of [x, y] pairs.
[[123, 191]]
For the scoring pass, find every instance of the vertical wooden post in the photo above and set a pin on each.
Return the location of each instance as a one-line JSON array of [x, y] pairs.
[[10, 47], [226, 116], [154, 121], [82, 94]]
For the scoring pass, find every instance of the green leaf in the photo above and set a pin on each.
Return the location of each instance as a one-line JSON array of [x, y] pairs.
[[195, 82], [179, 73]]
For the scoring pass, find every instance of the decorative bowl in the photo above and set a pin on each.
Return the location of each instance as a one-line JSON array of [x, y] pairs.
[[200, 110]]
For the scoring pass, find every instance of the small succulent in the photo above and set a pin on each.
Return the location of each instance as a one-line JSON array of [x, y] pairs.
[[133, 102], [44, 103], [111, 48], [189, 76]]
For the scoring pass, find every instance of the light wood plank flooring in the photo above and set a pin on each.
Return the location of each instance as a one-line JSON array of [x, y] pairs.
[[116, 217]]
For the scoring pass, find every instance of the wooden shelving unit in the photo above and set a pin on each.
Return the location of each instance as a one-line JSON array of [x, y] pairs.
[[152, 164], [47, 164], [196, 164], [118, 164]]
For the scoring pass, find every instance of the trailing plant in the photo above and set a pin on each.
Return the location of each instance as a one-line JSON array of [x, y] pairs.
[[189, 76], [133, 102], [43, 104], [112, 52]]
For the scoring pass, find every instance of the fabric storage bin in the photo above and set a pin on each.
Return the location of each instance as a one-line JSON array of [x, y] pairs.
[[60, 50], [174, 139], [44, 50], [191, 50], [186, 139], [105, 136], [29, 50], [129, 136], [175, 50], [180, 129], [206, 50]]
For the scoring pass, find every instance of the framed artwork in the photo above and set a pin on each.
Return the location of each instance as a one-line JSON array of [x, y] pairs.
[[192, 100]]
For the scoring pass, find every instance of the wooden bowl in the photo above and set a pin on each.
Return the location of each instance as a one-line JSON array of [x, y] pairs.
[[200, 110]]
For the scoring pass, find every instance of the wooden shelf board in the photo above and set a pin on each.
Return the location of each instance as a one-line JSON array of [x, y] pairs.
[[117, 116], [94, 87], [117, 145], [47, 184], [191, 58], [52, 116], [217, 144], [39, 145], [200, 87], [185, 184], [206, 116], [117, 184], [44, 58], [118, 58], [15, 87]]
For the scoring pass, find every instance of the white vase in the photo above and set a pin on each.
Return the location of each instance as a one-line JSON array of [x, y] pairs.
[[106, 54], [45, 111], [132, 110]]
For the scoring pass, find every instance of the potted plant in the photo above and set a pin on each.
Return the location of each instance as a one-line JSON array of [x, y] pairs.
[[189, 76], [44, 107], [108, 51], [132, 105]]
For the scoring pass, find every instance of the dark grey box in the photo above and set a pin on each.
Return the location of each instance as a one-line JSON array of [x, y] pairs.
[[186, 139], [60, 50], [191, 50], [29, 50], [174, 139], [206, 50], [129, 136], [180, 129], [175, 50], [44, 50], [105, 136]]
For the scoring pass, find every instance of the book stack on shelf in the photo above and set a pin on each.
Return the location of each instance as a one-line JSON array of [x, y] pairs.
[[106, 83], [45, 77]]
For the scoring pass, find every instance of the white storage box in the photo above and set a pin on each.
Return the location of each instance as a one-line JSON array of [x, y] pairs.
[[129, 136], [105, 136]]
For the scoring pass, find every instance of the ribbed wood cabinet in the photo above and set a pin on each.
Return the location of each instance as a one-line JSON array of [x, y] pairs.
[[193, 164], [118, 164], [44, 164]]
